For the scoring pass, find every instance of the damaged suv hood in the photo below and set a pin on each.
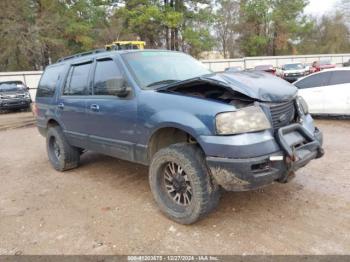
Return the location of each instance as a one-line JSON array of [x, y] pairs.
[[257, 85]]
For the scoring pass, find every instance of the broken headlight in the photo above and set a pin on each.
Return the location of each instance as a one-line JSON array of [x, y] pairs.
[[303, 107], [249, 119]]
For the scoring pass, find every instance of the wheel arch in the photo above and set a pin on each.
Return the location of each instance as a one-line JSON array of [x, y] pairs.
[[165, 136]]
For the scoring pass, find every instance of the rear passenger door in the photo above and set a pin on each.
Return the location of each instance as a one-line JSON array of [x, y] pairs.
[[111, 119], [337, 94], [71, 105]]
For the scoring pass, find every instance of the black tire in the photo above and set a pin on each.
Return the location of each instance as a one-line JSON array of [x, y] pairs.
[[203, 196], [62, 156]]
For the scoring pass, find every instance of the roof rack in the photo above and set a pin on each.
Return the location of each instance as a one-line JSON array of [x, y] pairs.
[[101, 50]]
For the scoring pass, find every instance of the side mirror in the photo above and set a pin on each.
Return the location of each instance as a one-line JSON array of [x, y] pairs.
[[117, 87]]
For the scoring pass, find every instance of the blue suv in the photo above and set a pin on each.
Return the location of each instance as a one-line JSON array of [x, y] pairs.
[[199, 132]]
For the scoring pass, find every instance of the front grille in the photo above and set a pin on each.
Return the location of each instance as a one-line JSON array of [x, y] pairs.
[[294, 74], [282, 114]]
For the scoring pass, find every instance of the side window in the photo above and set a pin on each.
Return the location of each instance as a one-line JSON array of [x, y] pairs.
[[321, 79], [340, 77], [48, 81], [77, 81], [106, 70]]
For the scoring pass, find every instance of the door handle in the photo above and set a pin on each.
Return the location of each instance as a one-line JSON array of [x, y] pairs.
[[60, 105], [95, 107]]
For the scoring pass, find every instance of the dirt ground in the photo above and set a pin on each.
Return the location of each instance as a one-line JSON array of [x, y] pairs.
[[105, 207], [15, 120]]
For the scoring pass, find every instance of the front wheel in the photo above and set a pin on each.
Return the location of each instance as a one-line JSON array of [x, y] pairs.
[[181, 184]]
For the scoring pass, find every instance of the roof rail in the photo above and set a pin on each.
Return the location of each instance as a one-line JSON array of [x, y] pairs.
[[101, 50]]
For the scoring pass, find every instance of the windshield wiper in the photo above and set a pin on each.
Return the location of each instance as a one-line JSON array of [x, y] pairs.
[[168, 81]]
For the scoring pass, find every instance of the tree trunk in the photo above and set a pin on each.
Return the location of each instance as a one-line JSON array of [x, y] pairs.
[[274, 43], [176, 39], [167, 42], [172, 38], [176, 30]]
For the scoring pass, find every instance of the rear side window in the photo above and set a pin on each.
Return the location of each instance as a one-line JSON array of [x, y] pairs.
[[321, 79], [105, 70], [340, 77], [48, 81], [77, 81]]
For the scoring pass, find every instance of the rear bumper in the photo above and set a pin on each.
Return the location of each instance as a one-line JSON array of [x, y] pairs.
[[297, 148]]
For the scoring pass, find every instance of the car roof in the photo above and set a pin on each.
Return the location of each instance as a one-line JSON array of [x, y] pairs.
[[336, 69], [81, 57], [324, 71]]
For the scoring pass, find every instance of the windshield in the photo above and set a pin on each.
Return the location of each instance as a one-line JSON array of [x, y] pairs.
[[293, 67], [7, 87], [154, 69]]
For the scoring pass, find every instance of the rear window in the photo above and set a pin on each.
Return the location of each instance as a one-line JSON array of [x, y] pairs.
[[48, 81], [77, 82], [340, 77]]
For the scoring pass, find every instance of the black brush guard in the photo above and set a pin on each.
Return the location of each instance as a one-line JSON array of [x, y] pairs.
[[300, 147]]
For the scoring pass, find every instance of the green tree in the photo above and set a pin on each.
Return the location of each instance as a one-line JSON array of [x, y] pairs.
[[270, 27], [171, 24], [288, 22], [330, 34], [226, 25], [254, 21], [18, 45]]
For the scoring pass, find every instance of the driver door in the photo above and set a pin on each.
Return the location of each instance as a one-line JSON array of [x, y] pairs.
[[111, 119]]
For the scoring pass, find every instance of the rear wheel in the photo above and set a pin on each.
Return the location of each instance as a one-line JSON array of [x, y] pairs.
[[62, 156], [181, 184]]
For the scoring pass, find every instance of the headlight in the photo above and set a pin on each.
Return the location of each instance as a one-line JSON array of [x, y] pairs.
[[249, 119], [302, 105], [27, 95]]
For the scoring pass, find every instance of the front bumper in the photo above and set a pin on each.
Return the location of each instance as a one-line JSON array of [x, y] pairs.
[[292, 78], [297, 148], [14, 104]]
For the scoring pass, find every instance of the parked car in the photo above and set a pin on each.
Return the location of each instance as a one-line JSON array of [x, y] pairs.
[[266, 68], [197, 131], [321, 65], [327, 92], [234, 69], [292, 72], [346, 64], [14, 95]]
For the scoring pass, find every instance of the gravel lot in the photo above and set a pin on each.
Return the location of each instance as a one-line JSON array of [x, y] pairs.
[[105, 206]]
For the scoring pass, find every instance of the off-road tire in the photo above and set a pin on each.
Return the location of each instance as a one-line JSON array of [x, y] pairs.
[[69, 156], [205, 195]]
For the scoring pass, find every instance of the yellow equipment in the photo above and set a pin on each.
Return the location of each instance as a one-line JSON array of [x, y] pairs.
[[124, 45]]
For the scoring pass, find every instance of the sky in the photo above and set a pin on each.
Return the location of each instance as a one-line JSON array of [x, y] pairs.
[[320, 7]]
